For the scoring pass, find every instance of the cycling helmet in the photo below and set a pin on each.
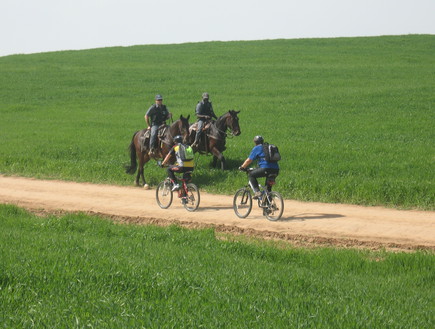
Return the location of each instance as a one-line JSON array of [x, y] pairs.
[[258, 139], [178, 139]]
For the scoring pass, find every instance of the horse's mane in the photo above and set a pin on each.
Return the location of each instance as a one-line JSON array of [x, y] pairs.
[[168, 140], [222, 118], [217, 129]]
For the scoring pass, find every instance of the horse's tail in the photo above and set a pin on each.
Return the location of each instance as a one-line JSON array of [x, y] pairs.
[[131, 169]]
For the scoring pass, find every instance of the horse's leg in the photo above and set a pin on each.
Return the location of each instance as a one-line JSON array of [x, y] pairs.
[[218, 155], [214, 161], [140, 168], [222, 162], [144, 159]]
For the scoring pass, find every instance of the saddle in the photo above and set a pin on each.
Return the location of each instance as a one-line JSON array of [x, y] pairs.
[[194, 126], [145, 138]]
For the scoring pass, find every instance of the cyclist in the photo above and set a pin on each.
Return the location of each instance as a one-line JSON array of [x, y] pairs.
[[180, 165], [264, 169]]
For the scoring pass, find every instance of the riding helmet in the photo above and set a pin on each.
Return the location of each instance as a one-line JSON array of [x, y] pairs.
[[205, 96], [178, 139], [159, 97], [258, 139]]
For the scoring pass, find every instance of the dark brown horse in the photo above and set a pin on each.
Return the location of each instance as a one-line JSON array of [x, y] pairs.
[[214, 137], [139, 149]]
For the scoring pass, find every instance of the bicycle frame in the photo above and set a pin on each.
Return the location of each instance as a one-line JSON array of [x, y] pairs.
[[183, 191], [270, 201], [188, 193]]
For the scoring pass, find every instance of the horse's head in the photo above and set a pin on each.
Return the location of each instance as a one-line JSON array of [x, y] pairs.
[[183, 126], [232, 121]]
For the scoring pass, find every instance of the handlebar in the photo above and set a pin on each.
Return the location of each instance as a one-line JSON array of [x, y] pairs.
[[246, 170]]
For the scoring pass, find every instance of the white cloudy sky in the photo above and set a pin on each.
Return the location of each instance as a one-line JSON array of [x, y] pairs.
[[29, 26]]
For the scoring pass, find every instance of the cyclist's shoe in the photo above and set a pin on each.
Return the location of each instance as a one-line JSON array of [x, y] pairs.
[[257, 195], [176, 187]]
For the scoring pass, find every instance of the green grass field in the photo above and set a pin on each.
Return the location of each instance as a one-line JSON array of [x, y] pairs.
[[353, 117], [76, 271]]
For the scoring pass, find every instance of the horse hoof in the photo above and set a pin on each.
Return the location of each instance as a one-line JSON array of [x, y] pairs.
[[136, 183], [146, 187]]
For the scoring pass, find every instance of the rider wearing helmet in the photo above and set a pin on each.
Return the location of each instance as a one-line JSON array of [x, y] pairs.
[[264, 169], [180, 165], [204, 112]]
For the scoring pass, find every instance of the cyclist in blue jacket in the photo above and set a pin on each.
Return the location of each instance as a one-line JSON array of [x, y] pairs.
[[264, 169]]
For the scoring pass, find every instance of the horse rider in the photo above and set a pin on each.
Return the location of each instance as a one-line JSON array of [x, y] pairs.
[[156, 115], [180, 165], [204, 112], [265, 168]]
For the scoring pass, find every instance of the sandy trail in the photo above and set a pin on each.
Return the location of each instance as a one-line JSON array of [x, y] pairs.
[[302, 223]]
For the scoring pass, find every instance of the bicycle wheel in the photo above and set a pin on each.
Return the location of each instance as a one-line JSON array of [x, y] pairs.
[[164, 194], [275, 206], [242, 202], [191, 201]]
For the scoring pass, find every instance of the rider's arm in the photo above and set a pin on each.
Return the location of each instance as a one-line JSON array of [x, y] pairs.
[[212, 112], [147, 120], [168, 114], [198, 109], [246, 163], [168, 156], [148, 116], [166, 159], [252, 156]]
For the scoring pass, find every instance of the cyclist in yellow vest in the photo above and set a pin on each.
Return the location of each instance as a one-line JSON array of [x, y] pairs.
[[180, 166]]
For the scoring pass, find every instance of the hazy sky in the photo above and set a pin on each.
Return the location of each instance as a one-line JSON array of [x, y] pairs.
[[29, 26]]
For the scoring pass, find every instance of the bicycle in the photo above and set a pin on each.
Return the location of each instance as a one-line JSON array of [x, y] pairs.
[[188, 193], [271, 202]]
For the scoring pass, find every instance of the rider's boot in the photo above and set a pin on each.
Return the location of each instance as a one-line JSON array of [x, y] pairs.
[[196, 142], [152, 151]]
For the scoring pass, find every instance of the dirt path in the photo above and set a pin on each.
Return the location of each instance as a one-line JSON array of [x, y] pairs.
[[302, 223]]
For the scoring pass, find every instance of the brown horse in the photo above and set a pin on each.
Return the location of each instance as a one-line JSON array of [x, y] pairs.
[[139, 150], [214, 137]]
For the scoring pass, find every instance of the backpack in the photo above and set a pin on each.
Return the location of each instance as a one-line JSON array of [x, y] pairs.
[[185, 152], [271, 152]]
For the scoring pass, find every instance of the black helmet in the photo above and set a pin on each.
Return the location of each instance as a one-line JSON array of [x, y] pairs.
[[258, 139], [178, 139], [159, 97]]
